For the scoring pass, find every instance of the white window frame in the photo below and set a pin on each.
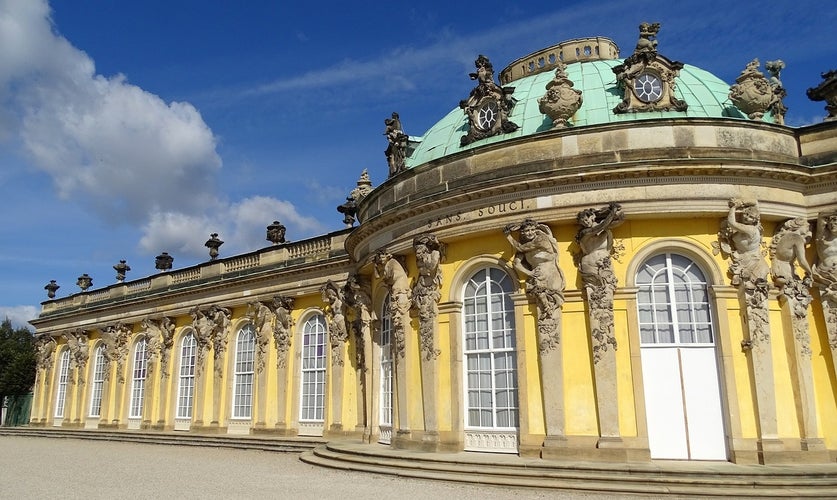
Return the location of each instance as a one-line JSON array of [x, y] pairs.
[[647, 298], [186, 381], [63, 380], [98, 382], [313, 369], [385, 401], [244, 370], [483, 281], [139, 372]]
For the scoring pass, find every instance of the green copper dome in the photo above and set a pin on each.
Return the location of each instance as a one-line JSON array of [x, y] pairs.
[[705, 94]]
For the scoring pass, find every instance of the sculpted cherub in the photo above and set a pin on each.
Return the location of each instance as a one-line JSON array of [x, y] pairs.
[[787, 248], [536, 256], [741, 239]]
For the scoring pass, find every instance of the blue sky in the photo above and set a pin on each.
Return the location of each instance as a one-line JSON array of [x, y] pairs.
[[131, 128]]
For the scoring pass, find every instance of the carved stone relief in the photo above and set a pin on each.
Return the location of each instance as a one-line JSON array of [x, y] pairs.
[[219, 318], [359, 307], [740, 238], [77, 344], [160, 335], [211, 325], [262, 319], [282, 328], [646, 78], [332, 295], [595, 241], [426, 290], [825, 271], [787, 249], [44, 348], [488, 106], [391, 272], [116, 339], [536, 257]]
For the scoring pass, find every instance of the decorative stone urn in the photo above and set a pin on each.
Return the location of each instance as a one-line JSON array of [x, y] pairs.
[[51, 288], [561, 100], [163, 262], [213, 244], [276, 233], [752, 92], [84, 282]]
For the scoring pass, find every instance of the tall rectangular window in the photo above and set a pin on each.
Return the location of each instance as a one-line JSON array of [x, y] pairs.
[[312, 397], [98, 382], [245, 351], [489, 352], [63, 379], [386, 368], [186, 383], [138, 375]]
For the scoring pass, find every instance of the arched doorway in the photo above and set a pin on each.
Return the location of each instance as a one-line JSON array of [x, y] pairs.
[[679, 360]]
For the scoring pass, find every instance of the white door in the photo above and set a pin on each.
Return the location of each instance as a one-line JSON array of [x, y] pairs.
[[679, 361]]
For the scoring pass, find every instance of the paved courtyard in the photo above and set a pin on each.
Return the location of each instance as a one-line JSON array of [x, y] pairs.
[[33, 467]]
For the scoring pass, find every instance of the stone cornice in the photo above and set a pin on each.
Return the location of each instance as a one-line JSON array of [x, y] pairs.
[[525, 182]]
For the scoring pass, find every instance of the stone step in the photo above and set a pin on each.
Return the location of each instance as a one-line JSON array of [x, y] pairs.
[[663, 479], [278, 444]]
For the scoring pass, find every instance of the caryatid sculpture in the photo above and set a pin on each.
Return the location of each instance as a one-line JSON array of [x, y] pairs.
[[160, 335], [389, 270], [210, 330], [595, 240], [536, 257], [116, 339], [44, 347], [825, 272], [788, 249], [741, 238], [77, 344], [359, 304], [261, 317], [426, 290], [282, 327], [333, 297]]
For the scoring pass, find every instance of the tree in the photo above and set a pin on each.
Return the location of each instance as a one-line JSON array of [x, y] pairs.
[[17, 360]]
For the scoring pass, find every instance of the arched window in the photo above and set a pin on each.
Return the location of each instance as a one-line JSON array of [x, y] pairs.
[[673, 302], [186, 384], [489, 352], [313, 367], [138, 374], [385, 401], [63, 379], [98, 382], [245, 350]]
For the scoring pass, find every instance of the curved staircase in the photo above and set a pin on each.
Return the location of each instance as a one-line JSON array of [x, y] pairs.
[[659, 477]]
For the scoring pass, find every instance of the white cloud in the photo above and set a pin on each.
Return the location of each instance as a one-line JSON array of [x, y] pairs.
[[240, 225], [19, 315], [105, 142]]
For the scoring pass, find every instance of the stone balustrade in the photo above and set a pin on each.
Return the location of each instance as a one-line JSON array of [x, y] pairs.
[[288, 254]]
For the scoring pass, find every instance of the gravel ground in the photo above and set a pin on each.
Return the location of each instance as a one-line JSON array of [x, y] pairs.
[[33, 467]]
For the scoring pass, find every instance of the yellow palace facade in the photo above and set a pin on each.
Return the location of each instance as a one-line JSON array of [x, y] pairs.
[[590, 258]]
